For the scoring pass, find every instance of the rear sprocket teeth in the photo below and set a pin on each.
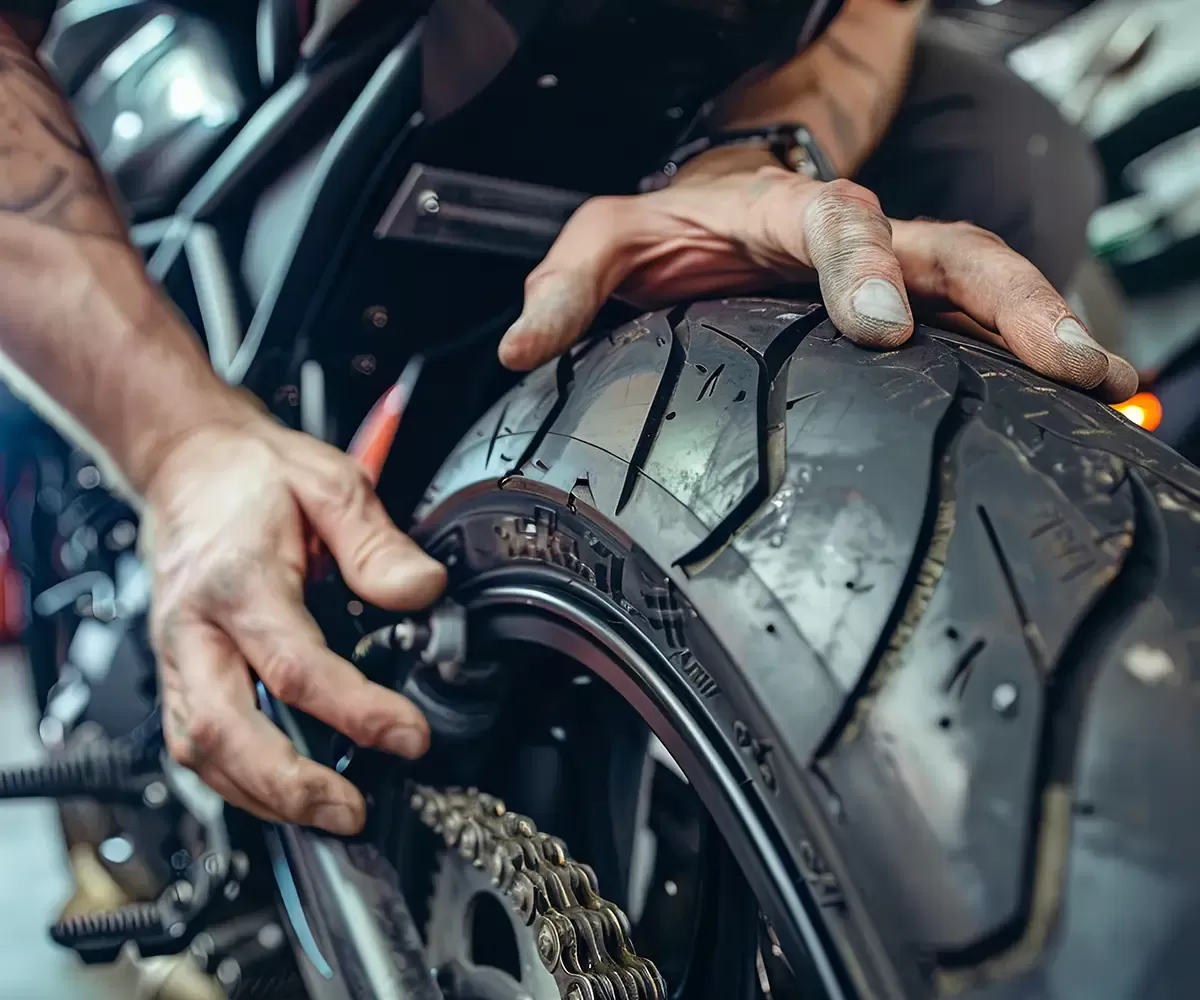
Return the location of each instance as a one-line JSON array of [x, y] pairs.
[[583, 940]]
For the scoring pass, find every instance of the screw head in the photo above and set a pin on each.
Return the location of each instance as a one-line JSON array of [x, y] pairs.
[[155, 794], [377, 316], [428, 203], [1005, 698], [270, 936], [547, 81]]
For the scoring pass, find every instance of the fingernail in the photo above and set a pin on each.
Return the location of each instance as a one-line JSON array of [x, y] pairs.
[[406, 740], [1071, 331], [337, 817], [879, 300]]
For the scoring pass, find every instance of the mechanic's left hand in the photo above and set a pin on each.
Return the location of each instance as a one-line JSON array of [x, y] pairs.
[[747, 232]]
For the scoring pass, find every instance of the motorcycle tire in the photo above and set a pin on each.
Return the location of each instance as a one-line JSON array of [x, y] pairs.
[[936, 616]]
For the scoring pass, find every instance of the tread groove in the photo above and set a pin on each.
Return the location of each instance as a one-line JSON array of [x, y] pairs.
[[1033, 638], [656, 412], [772, 435], [496, 433], [710, 383], [958, 677], [1021, 945], [928, 560], [564, 374]]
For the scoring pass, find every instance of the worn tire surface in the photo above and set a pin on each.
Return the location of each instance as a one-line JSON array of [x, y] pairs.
[[947, 614]]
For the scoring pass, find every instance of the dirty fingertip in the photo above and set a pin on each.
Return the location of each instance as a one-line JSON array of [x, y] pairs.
[[1121, 382], [342, 818], [880, 301], [409, 738], [875, 315], [1086, 362]]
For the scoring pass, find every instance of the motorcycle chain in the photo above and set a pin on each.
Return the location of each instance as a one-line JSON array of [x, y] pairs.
[[582, 939]]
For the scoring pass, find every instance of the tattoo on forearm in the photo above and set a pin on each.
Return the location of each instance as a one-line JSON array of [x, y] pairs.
[[47, 173]]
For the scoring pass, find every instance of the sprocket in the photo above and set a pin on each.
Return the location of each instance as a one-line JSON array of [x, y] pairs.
[[571, 943]]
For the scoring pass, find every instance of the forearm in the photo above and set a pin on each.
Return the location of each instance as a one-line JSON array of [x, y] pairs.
[[846, 88], [78, 316]]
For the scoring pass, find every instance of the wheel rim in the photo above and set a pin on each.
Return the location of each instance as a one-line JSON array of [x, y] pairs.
[[529, 609]]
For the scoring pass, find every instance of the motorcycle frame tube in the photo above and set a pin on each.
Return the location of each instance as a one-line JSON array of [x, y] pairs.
[[288, 112], [381, 121]]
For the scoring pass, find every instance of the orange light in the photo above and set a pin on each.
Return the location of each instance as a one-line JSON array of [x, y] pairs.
[[1144, 409]]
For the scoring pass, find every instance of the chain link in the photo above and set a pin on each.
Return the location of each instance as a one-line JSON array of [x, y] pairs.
[[583, 940]]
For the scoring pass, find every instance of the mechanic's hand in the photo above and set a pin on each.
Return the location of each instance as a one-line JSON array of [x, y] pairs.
[[749, 231], [230, 510]]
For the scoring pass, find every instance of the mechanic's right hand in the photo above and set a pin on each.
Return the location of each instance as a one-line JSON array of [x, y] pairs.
[[231, 513]]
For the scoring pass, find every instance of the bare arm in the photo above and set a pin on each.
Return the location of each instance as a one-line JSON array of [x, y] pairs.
[[79, 319], [846, 88]]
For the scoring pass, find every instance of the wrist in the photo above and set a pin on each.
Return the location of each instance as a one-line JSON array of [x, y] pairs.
[[203, 410], [724, 162]]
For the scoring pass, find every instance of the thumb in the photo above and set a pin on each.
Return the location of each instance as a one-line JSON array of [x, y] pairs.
[[378, 561], [591, 257]]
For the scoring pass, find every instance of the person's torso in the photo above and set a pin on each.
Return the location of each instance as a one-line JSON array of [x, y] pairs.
[[590, 94]]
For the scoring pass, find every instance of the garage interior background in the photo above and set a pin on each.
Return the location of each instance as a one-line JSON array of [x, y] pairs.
[[34, 880]]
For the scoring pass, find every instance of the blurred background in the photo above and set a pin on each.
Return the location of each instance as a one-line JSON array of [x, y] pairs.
[[1125, 69]]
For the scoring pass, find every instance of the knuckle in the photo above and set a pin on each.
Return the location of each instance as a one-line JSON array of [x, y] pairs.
[[845, 188], [343, 488], [603, 210], [844, 217], [844, 196], [287, 678], [970, 233], [181, 750], [221, 583], [293, 790], [204, 731]]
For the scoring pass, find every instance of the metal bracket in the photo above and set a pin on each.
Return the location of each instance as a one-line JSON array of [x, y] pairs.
[[471, 212]]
